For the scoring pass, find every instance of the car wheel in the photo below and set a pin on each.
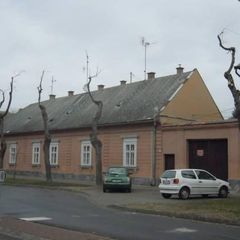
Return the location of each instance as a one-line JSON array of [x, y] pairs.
[[104, 189], [204, 195], [223, 192], [166, 195], [129, 190], [184, 193]]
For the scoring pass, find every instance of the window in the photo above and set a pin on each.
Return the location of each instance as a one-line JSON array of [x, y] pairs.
[[36, 153], [188, 174], [130, 152], [204, 175], [169, 174], [13, 153], [86, 153], [53, 154]]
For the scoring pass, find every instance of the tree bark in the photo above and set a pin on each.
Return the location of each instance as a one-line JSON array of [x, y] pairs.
[[95, 141], [231, 84], [47, 136]]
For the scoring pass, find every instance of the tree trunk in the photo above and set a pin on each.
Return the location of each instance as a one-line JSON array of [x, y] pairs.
[[95, 141], [3, 145], [46, 147], [47, 136]]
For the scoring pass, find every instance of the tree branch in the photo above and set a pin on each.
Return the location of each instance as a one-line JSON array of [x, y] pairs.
[[232, 50], [236, 68], [3, 98], [231, 84], [40, 88]]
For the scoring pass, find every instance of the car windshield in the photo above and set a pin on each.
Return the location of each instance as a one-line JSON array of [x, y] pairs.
[[117, 171], [169, 174]]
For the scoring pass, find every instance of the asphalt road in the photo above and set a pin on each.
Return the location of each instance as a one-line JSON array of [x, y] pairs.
[[74, 211]]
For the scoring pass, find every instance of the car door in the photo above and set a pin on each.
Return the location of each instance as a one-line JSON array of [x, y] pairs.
[[189, 179], [207, 182]]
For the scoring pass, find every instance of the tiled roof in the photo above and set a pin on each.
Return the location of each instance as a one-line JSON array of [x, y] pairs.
[[125, 103]]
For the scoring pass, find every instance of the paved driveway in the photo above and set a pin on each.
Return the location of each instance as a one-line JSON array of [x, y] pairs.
[[140, 194]]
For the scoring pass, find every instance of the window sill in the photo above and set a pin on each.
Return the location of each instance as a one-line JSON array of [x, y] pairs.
[[54, 166], [36, 165], [11, 164], [132, 169], [86, 166]]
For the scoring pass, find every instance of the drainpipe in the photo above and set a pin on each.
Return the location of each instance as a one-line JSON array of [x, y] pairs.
[[154, 146]]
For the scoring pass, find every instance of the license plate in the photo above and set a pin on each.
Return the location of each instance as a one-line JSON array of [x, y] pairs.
[[166, 181], [116, 181]]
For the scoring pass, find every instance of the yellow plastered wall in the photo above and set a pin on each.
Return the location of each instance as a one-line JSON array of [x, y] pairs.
[[193, 101]]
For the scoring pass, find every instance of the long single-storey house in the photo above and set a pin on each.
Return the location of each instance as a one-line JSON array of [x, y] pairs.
[[147, 126]]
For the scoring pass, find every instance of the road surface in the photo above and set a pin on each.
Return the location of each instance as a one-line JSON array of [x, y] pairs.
[[73, 211]]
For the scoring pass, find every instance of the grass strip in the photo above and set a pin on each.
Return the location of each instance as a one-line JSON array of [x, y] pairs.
[[212, 209]]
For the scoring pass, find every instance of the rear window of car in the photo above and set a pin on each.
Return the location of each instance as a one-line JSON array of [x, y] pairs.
[[117, 171], [188, 174], [169, 174]]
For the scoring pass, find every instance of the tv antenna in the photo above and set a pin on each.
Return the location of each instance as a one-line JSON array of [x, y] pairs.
[[53, 80], [145, 44], [86, 68]]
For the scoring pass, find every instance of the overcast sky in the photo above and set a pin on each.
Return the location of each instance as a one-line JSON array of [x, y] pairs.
[[54, 35]]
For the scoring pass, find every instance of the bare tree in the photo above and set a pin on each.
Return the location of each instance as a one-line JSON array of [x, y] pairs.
[[95, 141], [3, 144], [47, 136], [228, 75]]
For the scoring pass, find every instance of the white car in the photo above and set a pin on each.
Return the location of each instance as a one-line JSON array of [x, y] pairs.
[[186, 182]]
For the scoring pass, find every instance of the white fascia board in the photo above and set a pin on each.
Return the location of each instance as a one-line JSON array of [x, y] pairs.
[[175, 93]]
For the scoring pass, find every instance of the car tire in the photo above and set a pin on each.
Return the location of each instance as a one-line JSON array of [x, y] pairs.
[[184, 193], [223, 192], [104, 189], [129, 190], [204, 195], [166, 195]]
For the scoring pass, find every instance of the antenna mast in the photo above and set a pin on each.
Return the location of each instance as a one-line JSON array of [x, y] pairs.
[[87, 63], [52, 84], [145, 45]]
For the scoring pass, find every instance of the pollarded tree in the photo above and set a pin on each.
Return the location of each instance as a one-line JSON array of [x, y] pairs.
[[47, 136], [228, 75], [3, 144], [95, 141]]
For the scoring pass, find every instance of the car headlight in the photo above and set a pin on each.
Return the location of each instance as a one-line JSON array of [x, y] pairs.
[[127, 180]]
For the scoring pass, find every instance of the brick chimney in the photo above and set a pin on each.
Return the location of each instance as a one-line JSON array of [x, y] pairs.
[[151, 75], [52, 96], [70, 93], [123, 82], [179, 69], [100, 87]]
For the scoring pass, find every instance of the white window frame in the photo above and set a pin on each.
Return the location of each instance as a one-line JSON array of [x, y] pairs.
[[53, 154], [36, 149], [12, 153], [129, 154], [86, 153]]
